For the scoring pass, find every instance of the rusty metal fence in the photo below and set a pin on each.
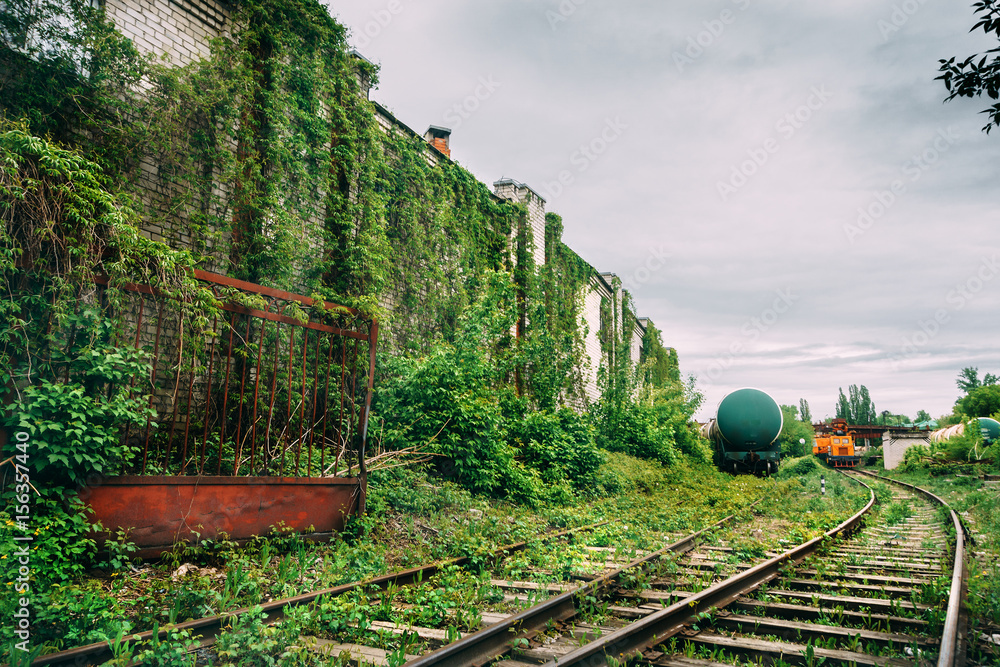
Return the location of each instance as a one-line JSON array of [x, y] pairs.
[[275, 384]]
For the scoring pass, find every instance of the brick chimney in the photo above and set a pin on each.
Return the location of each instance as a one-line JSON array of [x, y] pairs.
[[438, 137]]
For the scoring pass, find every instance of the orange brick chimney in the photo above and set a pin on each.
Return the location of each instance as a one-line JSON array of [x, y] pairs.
[[438, 137]]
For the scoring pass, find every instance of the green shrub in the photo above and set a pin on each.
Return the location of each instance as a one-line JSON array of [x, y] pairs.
[[917, 456], [61, 540], [559, 445], [442, 403], [636, 431], [798, 467], [622, 474], [75, 427], [248, 642]]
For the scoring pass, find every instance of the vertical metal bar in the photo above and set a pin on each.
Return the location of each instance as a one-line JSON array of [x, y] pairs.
[[72, 339], [225, 392], [302, 410], [177, 381], [312, 418], [363, 437], [138, 322], [340, 417], [208, 395], [256, 394], [135, 344], [104, 309], [288, 411], [152, 381], [354, 394], [326, 402], [274, 386], [238, 445], [187, 424]]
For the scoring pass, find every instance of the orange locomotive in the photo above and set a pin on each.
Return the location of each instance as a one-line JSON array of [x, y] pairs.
[[835, 445]]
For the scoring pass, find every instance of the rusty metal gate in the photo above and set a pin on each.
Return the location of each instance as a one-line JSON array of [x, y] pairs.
[[275, 384]]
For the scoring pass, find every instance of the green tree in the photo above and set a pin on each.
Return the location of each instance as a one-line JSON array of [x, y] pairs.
[[979, 73], [980, 402], [923, 416], [843, 409], [804, 411], [793, 430], [857, 407], [968, 379]]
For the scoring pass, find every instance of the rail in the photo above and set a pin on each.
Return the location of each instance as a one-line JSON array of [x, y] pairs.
[[489, 642]]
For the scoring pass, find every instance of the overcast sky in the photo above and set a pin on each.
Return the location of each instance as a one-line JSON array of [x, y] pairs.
[[778, 183]]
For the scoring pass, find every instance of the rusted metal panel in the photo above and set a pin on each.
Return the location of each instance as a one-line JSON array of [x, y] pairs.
[[160, 511]]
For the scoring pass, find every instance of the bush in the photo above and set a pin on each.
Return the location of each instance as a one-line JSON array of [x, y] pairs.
[[448, 402], [635, 430], [559, 445], [917, 456], [798, 467], [622, 474], [75, 427], [61, 550], [793, 430], [456, 402], [442, 404]]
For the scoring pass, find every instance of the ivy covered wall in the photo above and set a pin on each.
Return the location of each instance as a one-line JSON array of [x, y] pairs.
[[243, 135]]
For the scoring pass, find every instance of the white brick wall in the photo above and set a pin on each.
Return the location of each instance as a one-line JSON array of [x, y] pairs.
[[894, 446], [179, 29], [596, 292], [511, 190], [635, 347]]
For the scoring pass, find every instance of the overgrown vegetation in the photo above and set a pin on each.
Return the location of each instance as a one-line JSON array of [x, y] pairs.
[[797, 436], [979, 507]]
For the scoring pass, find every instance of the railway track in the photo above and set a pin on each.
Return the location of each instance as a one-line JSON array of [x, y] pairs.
[[886, 594], [516, 581]]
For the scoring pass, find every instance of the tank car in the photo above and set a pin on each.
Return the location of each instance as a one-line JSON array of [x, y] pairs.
[[745, 431], [990, 429]]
